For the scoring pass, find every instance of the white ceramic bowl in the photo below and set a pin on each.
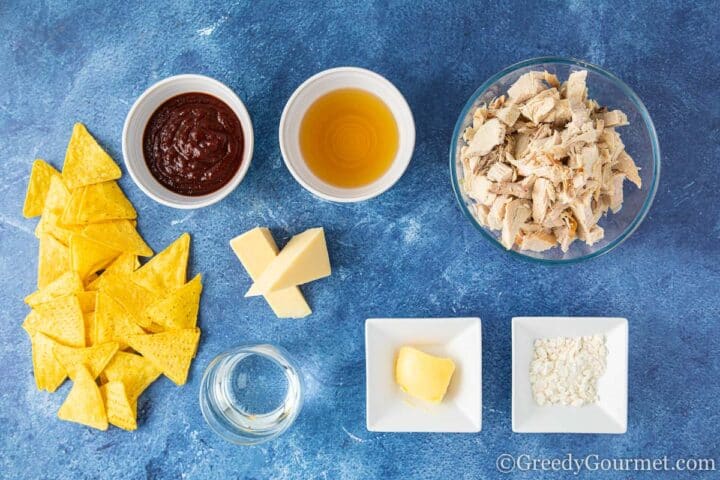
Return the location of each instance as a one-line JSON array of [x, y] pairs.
[[388, 409], [608, 415], [317, 86], [145, 106]]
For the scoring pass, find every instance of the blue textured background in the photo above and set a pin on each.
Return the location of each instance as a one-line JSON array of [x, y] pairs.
[[409, 252]]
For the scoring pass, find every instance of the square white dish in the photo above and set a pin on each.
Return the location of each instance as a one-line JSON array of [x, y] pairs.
[[388, 409], [608, 415]]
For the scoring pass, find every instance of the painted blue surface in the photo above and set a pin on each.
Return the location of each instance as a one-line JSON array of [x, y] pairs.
[[409, 252]]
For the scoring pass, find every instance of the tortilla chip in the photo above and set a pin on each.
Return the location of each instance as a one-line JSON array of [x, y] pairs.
[[172, 351], [65, 284], [118, 235], [124, 265], [112, 322], [134, 371], [71, 213], [87, 300], [168, 269], [89, 256], [89, 319], [84, 404], [121, 410], [86, 162], [132, 297], [58, 196], [53, 260], [60, 319], [101, 202], [94, 359], [178, 309], [92, 283], [38, 186], [49, 374], [154, 328]]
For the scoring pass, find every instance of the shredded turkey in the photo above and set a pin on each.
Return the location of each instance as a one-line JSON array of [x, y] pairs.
[[544, 163]]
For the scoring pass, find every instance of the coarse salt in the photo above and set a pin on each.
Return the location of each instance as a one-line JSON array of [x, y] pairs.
[[565, 370]]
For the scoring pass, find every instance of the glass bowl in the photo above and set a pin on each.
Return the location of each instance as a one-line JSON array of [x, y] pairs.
[[251, 394], [639, 138]]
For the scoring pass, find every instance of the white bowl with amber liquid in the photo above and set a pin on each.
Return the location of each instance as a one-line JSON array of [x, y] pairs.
[[305, 98]]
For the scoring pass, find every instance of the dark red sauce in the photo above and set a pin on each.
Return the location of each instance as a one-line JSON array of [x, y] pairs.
[[193, 144]]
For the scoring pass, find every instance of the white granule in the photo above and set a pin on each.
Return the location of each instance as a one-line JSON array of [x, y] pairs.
[[565, 370]]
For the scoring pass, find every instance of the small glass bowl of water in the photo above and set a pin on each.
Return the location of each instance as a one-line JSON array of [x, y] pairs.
[[251, 394]]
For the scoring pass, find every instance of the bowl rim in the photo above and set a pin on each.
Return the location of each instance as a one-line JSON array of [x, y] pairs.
[[649, 126], [211, 198], [400, 160]]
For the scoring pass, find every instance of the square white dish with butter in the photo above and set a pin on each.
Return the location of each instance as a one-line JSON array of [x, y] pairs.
[[423, 374], [569, 375]]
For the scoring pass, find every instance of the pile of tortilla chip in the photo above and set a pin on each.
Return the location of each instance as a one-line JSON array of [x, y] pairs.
[[98, 317]]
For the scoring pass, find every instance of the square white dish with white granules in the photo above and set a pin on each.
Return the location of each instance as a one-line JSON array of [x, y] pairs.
[[607, 413]]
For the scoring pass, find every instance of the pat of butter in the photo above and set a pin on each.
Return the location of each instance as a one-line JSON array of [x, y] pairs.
[[423, 376], [256, 249], [304, 259]]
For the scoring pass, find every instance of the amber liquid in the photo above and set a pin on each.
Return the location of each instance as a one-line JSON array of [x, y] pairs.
[[348, 138]]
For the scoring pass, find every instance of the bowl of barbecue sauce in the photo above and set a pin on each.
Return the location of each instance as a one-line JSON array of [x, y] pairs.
[[188, 141]]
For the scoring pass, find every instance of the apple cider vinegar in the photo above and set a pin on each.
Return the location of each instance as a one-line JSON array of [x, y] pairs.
[[349, 138]]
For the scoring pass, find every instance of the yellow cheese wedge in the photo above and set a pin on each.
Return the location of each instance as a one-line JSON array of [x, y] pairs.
[[304, 259], [256, 249], [423, 376]]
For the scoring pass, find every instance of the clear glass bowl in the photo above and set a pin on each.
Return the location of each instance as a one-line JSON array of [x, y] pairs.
[[640, 142], [251, 394]]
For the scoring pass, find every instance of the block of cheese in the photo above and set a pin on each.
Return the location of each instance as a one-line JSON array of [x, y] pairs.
[[256, 249], [423, 376], [304, 259]]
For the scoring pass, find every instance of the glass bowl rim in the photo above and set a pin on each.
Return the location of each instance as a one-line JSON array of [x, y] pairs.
[[631, 95]]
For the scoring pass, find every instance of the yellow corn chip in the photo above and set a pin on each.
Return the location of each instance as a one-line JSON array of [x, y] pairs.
[[94, 359], [131, 296], [118, 235], [84, 404], [89, 256], [125, 264], [57, 198], [92, 282], [168, 269], [172, 351], [31, 322], [112, 322], [178, 309], [101, 202], [60, 319], [154, 328], [121, 410], [71, 213], [86, 162], [49, 374], [53, 260], [38, 186], [87, 300], [89, 319], [134, 371], [65, 284]]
